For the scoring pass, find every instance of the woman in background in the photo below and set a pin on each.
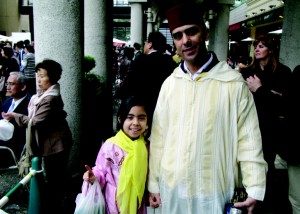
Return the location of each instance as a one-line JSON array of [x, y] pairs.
[[51, 136], [268, 80]]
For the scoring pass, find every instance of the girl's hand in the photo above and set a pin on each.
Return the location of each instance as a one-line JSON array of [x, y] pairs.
[[8, 116], [89, 176]]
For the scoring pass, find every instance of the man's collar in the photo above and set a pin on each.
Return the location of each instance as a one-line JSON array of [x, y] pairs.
[[152, 52], [208, 67]]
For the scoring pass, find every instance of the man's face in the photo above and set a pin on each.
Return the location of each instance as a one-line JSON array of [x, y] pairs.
[[190, 42], [13, 88]]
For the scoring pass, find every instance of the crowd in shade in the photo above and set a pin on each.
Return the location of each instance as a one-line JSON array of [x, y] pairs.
[[17, 57]]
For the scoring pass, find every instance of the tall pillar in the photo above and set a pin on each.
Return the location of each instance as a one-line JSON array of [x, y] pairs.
[[97, 36], [59, 36], [136, 27], [290, 44], [149, 21], [218, 40], [98, 42]]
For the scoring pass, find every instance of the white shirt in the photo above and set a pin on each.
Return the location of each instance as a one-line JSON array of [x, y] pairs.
[[15, 103], [195, 75]]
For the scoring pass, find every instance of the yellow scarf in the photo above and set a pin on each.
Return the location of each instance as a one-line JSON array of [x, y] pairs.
[[133, 172]]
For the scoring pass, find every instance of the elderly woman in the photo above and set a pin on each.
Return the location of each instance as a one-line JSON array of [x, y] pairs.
[[51, 136]]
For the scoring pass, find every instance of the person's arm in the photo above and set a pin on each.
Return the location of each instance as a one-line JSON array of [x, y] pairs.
[[47, 109], [250, 155], [24, 61], [12, 115]]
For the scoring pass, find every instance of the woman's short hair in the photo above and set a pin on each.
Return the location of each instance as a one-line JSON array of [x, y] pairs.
[[53, 68]]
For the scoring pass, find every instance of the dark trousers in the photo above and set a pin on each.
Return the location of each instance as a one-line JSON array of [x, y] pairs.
[[56, 178], [276, 197]]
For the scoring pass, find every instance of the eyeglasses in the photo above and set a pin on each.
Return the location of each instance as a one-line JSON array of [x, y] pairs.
[[11, 84]]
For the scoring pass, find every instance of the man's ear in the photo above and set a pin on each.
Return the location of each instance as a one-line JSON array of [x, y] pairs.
[[23, 87], [119, 120], [150, 45]]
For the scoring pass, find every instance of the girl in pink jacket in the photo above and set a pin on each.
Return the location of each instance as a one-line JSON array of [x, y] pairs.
[[122, 162]]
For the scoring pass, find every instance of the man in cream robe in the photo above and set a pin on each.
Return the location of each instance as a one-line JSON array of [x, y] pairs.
[[203, 130], [205, 136]]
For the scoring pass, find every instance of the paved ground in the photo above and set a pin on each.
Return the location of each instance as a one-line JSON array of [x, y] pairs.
[[18, 201]]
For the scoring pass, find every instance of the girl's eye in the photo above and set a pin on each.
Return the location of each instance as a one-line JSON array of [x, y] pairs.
[[142, 118]]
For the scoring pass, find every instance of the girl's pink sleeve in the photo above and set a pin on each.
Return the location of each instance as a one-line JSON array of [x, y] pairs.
[[107, 171], [99, 169]]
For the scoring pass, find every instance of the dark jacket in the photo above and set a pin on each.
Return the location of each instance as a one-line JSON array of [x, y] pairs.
[[292, 147], [146, 76], [271, 108], [19, 137], [50, 130]]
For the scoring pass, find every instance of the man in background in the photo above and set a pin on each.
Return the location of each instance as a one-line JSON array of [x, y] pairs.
[[17, 101], [149, 71], [137, 50]]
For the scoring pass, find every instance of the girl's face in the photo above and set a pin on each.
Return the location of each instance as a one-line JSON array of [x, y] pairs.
[[136, 122], [261, 51], [43, 79]]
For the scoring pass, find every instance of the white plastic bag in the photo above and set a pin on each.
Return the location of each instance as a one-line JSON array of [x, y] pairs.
[[91, 200], [6, 130]]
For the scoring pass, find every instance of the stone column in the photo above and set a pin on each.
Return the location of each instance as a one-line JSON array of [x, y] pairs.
[[96, 41], [290, 44], [136, 27], [218, 40], [59, 36]]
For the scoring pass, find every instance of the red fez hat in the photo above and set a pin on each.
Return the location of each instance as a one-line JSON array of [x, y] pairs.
[[184, 14]]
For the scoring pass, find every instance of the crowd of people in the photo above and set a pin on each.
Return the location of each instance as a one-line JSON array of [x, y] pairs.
[[18, 84], [17, 57], [190, 128]]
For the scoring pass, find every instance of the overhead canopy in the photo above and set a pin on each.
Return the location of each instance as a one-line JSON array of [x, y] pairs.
[[118, 42], [5, 38]]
